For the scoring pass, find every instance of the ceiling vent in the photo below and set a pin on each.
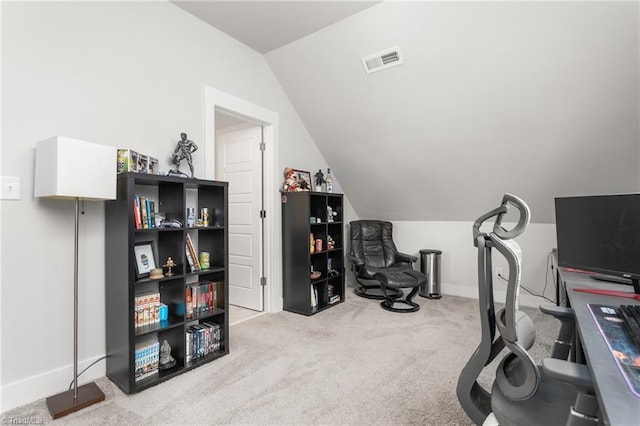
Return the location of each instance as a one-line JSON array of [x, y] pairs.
[[382, 60]]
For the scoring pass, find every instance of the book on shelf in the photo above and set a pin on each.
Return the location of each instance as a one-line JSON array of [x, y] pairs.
[[152, 214], [201, 298], [189, 258], [148, 207], [188, 355], [314, 296], [146, 309], [201, 340], [214, 340], [136, 213], [192, 257], [188, 304], [143, 212], [146, 358], [334, 299]]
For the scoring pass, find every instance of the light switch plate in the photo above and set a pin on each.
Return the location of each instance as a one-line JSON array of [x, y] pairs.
[[11, 188]]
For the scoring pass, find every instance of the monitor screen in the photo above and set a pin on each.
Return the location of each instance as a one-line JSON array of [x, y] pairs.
[[600, 234]]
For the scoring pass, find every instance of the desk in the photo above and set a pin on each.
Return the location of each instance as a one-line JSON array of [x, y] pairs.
[[618, 406]]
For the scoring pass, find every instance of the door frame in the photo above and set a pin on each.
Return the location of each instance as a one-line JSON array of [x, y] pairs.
[[218, 100]]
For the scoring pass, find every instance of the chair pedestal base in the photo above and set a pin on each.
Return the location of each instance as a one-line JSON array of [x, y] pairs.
[[388, 303], [376, 293]]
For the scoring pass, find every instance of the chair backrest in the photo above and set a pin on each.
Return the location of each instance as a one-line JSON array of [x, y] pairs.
[[517, 375], [372, 242]]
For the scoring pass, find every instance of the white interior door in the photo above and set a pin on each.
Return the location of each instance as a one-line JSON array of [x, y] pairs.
[[239, 162]]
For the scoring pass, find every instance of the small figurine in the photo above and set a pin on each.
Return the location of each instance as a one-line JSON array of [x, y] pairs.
[[331, 215], [330, 242], [170, 264], [320, 181], [290, 181], [183, 151], [166, 360]]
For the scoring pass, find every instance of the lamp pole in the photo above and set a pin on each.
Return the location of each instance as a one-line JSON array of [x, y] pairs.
[[80, 397], [75, 301]]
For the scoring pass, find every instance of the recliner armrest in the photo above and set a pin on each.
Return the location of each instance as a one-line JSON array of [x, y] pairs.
[[403, 257], [355, 260], [568, 372]]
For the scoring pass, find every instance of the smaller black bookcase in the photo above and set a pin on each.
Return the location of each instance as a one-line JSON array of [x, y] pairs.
[[312, 241]]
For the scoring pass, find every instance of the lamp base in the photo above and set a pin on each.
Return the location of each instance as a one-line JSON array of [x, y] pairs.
[[64, 403]]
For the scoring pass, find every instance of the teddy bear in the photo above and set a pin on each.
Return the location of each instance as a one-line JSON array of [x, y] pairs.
[[290, 181]]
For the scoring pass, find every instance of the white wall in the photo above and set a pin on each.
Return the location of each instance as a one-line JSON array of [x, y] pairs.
[[536, 98], [459, 267], [121, 74]]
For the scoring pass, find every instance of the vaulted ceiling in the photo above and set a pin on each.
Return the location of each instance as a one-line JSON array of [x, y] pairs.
[[535, 98], [268, 25]]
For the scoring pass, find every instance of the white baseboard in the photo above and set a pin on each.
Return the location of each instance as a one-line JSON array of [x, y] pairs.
[[47, 384], [526, 299]]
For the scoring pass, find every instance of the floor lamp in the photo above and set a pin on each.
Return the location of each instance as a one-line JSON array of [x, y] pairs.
[[73, 169]]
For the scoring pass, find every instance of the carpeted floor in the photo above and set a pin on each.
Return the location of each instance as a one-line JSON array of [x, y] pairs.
[[352, 364]]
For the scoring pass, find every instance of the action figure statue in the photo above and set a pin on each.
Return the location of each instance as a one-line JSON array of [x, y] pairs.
[[320, 181], [183, 151], [166, 360]]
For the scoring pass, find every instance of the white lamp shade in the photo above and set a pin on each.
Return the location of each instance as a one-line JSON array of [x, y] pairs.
[[72, 168]]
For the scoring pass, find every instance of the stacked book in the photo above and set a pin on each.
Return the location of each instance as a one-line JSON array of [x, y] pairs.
[[201, 298], [202, 339], [146, 359], [333, 298], [146, 309]]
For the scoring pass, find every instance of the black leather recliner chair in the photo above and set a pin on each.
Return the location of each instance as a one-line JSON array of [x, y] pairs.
[[373, 251]]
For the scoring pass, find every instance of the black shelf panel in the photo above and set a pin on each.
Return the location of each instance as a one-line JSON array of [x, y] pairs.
[[207, 315], [176, 277], [160, 326], [212, 270], [158, 378], [152, 230], [205, 359], [206, 228]]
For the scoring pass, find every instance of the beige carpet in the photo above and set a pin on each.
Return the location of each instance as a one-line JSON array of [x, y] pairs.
[[352, 364]]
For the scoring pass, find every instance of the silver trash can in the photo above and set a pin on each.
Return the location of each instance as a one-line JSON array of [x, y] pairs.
[[430, 267]]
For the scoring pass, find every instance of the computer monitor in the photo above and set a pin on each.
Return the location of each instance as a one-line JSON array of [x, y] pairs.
[[600, 234]]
